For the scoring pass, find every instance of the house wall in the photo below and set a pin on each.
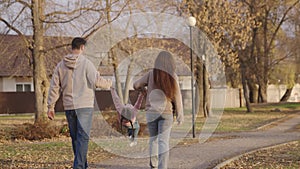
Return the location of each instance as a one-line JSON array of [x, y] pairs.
[[8, 84], [1, 84]]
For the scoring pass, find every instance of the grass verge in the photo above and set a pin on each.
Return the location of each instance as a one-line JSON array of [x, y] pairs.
[[57, 152]]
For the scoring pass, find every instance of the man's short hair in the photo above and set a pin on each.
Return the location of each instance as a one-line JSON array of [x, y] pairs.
[[77, 42]]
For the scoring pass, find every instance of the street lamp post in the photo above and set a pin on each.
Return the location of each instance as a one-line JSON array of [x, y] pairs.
[[192, 23], [205, 111]]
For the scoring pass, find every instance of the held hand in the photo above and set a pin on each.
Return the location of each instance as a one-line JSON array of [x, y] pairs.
[[102, 83], [107, 84], [144, 91], [51, 114]]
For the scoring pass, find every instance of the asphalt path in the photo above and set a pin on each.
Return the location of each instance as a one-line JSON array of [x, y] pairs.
[[209, 154]]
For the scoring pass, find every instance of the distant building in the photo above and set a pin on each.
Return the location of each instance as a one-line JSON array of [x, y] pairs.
[[16, 62], [16, 73]]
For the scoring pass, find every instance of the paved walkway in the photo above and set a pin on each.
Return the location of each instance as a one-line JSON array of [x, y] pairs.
[[209, 154]]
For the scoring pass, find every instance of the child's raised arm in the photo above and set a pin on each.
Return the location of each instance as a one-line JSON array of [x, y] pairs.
[[139, 101], [117, 101]]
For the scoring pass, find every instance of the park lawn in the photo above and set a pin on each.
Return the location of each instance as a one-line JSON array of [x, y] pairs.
[[238, 119], [57, 152]]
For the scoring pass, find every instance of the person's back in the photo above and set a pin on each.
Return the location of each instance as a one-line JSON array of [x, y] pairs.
[[76, 84], [76, 78], [163, 92]]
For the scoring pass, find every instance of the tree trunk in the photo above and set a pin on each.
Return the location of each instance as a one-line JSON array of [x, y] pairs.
[[206, 94], [245, 88], [117, 75], [127, 82], [253, 92], [262, 90], [199, 90], [41, 83], [113, 55], [287, 95]]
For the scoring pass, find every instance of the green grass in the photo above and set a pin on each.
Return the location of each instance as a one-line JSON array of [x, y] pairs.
[[44, 154], [238, 119]]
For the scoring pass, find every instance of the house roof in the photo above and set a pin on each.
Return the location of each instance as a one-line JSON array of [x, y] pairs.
[[16, 60], [144, 52]]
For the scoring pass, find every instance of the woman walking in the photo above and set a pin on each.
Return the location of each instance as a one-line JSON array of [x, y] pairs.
[[163, 99]]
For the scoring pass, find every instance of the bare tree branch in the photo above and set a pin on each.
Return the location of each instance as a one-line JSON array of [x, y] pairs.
[[19, 14], [27, 43], [277, 61], [93, 7], [57, 47], [66, 21], [116, 17], [281, 22], [25, 4], [94, 25]]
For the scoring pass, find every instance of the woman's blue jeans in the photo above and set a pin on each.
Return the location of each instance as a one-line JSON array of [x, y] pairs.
[[159, 129], [80, 122]]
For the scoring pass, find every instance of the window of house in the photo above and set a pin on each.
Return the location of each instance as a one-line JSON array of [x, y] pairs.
[[23, 87], [19, 88], [27, 87]]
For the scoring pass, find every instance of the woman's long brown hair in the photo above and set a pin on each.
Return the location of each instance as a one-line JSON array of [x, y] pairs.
[[164, 71]]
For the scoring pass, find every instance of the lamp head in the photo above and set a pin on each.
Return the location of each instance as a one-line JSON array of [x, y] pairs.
[[191, 21]]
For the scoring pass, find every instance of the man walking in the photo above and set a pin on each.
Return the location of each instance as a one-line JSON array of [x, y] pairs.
[[76, 78]]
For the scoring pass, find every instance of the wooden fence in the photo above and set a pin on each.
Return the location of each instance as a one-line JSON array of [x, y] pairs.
[[23, 102]]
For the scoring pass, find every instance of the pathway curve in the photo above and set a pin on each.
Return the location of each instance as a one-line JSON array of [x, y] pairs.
[[207, 155]]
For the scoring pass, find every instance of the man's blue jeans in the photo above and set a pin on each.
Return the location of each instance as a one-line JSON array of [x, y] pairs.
[[80, 122]]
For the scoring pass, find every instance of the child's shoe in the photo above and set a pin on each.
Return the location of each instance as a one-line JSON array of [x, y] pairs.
[[133, 143]]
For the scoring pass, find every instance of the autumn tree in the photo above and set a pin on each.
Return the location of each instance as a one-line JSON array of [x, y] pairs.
[[34, 20], [269, 16], [289, 48], [132, 44], [228, 30]]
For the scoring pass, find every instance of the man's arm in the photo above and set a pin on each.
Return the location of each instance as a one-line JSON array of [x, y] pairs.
[[94, 77], [102, 83], [53, 94]]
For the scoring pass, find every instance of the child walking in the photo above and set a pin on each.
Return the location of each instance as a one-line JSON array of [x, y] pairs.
[[127, 114]]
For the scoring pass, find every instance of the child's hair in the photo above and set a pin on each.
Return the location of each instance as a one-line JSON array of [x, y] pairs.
[[126, 114]]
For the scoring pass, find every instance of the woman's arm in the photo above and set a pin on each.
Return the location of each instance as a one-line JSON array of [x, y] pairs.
[[178, 104], [142, 82]]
